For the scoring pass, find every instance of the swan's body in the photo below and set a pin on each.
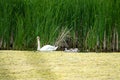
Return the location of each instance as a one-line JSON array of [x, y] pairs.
[[46, 47]]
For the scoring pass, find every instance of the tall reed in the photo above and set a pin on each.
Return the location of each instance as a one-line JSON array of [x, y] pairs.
[[92, 23]]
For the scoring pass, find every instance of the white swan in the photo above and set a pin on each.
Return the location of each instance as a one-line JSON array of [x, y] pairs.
[[46, 47]]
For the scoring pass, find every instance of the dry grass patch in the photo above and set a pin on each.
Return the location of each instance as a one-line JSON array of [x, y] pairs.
[[30, 65]]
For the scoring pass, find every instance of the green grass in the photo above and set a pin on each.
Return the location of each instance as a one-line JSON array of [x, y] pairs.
[[22, 20], [30, 65]]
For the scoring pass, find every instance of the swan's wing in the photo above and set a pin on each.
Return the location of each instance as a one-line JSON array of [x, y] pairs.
[[48, 48]]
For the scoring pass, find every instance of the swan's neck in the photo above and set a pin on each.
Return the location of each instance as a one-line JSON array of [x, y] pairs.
[[38, 41]]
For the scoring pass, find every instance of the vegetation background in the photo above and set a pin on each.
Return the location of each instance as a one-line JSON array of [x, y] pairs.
[[87, 24]]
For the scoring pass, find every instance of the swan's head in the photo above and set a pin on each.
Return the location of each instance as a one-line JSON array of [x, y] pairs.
[[38, 37]]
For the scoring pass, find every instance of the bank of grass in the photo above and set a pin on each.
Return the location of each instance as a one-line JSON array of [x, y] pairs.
[[22, 20], [30, 65]]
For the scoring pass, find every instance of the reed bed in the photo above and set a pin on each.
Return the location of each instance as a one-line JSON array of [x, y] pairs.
[[91, 25]]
